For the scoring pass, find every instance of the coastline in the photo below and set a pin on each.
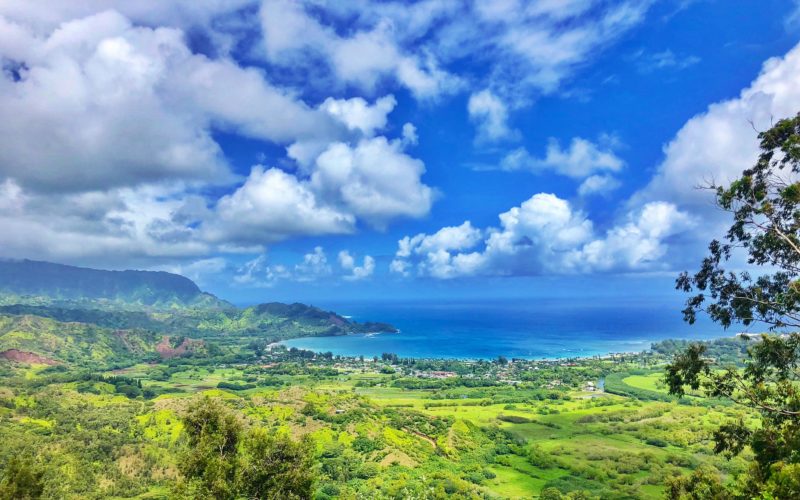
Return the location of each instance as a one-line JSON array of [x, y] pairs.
[[531, 330], [598, 355]]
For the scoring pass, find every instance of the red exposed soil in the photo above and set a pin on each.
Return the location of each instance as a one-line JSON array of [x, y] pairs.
[[166, 350], [26, 357]]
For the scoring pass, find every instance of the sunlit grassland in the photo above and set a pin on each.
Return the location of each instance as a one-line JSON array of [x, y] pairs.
[[584, 431], [519, 479], [651, 382]]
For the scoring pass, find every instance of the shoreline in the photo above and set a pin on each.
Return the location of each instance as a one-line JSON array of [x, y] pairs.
[[606, 355]]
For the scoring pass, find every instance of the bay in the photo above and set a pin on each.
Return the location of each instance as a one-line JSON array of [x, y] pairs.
[[529, 329]]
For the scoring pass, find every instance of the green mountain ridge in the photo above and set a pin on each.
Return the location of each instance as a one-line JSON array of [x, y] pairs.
[[37, 281], [58, 314]]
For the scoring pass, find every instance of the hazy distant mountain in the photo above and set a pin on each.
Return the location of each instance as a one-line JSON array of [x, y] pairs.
[[64, 313], [69, 283]]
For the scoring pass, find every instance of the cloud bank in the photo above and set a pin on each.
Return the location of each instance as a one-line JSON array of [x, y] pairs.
[[544, 235]]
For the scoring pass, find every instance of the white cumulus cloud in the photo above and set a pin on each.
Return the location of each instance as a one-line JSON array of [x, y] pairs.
[[100, 103], [719, 143], [716, 146], [373, 179], [273, 205], [111, 150], [357, 114], [348, 263], [362, 57], [581, 159], [598, 185], [545, 235], [490, 114]]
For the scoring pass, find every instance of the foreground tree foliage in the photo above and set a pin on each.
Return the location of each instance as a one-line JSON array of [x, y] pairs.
[[765, 205], [23, 479], [702, 484], [225, 460], [276, 467]]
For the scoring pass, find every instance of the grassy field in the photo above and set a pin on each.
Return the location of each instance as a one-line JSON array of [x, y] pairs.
[[588, 429], [650, 382]]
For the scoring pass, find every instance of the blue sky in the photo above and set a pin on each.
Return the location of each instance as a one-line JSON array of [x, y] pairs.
[[317, 150]]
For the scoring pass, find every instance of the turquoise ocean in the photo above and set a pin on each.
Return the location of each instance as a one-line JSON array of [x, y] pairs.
[[530, 329]]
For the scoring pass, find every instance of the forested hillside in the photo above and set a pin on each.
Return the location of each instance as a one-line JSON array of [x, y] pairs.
[[91, 318], [54, 342], [58, 282]]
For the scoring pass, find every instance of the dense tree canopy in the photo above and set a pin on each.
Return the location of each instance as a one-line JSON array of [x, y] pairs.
[[22, 479], [226, 460]]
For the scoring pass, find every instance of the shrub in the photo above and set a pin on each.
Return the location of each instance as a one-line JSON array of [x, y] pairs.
[[235, 386], [657, 442], [514, 419]]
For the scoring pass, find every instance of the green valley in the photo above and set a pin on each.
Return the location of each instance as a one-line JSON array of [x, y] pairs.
[[374, 428], [399, 250], [108, 398]]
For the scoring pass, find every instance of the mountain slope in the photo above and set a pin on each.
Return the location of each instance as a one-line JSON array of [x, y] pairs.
[[37, 339], [66, 314], [273, 320], [58, 282], [281, 321]]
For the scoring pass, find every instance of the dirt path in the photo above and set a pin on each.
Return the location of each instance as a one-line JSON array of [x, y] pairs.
[[423, 436]]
